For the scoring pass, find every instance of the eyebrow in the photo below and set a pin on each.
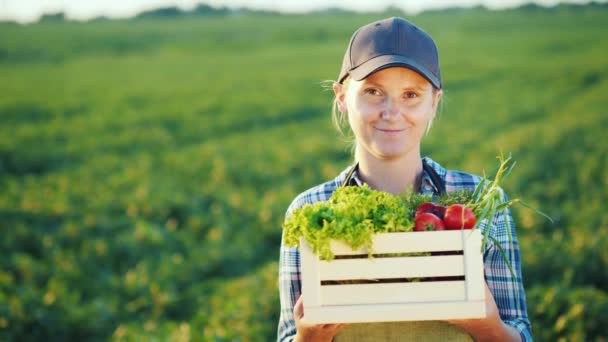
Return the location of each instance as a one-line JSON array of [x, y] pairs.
[[415, 86]]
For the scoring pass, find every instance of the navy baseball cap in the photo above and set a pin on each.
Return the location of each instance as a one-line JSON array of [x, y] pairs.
[[387, 43]]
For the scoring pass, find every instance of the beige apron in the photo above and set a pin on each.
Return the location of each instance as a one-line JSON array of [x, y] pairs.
[[425, 331]]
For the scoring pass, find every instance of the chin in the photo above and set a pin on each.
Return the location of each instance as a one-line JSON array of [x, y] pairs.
[[389, 155]]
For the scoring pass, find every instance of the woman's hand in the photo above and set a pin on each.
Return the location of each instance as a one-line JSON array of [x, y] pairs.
[[490, 328], [313, 332]]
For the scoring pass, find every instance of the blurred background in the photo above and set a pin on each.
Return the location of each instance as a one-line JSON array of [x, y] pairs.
[[148, 154]]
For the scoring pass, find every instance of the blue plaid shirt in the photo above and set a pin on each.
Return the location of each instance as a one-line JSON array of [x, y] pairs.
[[508, 292]]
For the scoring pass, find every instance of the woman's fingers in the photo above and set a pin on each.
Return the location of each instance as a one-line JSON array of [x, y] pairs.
[[339, 327], [329, 329], [298, 309], [336, 327]]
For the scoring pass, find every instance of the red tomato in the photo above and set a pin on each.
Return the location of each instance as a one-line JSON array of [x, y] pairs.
[[428, 221], [439, 210], [427, 207], [457, 216]]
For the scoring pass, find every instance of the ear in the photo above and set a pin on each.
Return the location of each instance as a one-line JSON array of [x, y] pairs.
[[339, 91], [436, 98]]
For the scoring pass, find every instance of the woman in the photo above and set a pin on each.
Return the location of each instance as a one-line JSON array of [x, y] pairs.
[[388, 90]]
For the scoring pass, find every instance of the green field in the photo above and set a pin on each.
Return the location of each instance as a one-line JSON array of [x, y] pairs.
[[146, 165]]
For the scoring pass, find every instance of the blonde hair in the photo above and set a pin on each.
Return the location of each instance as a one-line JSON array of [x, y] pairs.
[[338, 119]]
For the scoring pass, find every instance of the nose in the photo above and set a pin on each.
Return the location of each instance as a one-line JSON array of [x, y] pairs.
[[391, 109]]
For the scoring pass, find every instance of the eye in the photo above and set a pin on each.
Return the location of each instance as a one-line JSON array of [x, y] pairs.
[[411, 95], [372, 91]]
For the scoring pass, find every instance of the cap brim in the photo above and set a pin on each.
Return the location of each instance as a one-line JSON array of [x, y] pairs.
[[382, 62]]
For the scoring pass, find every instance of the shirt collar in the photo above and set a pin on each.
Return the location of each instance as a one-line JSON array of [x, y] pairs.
[[426, 187]]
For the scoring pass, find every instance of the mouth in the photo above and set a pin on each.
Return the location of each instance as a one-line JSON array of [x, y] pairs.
[[390, 131]]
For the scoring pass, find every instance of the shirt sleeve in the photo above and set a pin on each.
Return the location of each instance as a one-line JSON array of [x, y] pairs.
[[289, 263], [507, 288], [289, 291]]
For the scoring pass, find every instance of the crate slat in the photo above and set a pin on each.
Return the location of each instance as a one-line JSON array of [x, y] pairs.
[[394, 312], [433, 241], [392, 293], [475, 289], [309, 264], [399, 267]]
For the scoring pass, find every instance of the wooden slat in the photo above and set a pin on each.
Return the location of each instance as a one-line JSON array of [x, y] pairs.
[[310, 276], [383, 268], [383, 293], [474, 267], [433, 241], [394, 312]]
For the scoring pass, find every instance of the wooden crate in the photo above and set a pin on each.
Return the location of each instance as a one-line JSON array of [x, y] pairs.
[[436, 296]]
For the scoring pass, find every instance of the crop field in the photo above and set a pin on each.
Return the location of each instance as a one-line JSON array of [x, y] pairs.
[[146, 164]]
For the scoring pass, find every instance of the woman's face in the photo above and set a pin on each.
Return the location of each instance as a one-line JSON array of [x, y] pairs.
[[388, 111]]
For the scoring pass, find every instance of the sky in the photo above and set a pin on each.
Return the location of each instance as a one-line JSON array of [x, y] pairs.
[[25, 11]]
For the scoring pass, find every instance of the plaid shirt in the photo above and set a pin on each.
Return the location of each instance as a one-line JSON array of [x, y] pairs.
[[504, 288]]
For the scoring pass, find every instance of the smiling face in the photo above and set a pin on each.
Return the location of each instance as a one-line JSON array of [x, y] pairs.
[[388, 112]]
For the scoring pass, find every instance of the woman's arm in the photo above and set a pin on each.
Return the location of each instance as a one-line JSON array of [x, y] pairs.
[[508, 298], [291, 326], [289, 291], [490, 328]]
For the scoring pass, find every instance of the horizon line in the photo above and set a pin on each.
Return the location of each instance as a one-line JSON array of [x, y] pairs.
[[64, 13]]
